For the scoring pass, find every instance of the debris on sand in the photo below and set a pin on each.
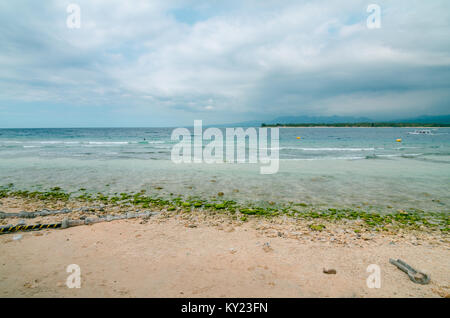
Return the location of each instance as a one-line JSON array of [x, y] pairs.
[[267, 248]]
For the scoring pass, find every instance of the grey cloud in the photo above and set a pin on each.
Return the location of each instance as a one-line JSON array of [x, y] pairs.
[[250, 58]]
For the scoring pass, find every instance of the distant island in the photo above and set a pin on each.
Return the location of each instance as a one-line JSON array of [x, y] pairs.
[[356, 125], [347, 121]]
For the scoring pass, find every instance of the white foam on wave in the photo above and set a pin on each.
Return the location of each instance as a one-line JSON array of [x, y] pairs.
[[412, 154], [401, 155], [324, 158], [108, 142], [400, 148], [320, 149], [388, 155], [354, 157], [329, 149], [57, 142]]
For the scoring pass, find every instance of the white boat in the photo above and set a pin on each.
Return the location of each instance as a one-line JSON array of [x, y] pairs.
[[421, 132]]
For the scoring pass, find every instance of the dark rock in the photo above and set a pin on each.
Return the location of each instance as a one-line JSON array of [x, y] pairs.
[[329, 271]]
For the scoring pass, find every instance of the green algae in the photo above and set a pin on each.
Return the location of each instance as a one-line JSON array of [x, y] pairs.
[[407, 219], [317, 227]]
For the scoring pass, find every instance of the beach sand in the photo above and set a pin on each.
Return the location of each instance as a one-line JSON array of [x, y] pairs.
[[192, 256]]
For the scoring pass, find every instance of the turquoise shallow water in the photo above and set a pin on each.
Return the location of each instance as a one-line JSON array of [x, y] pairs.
[[326, 167]]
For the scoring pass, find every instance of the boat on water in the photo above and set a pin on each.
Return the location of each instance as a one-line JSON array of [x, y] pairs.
[[421, 132]]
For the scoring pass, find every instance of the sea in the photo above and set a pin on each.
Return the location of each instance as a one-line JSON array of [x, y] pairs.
[[326, 167]]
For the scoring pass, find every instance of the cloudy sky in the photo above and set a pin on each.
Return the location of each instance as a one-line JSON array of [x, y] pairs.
[[166, 63]]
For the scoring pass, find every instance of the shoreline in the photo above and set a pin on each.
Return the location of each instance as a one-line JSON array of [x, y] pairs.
[[358, 217], [194, 251]]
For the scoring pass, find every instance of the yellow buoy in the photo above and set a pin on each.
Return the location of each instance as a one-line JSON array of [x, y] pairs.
[[299, 137], [399, 140]]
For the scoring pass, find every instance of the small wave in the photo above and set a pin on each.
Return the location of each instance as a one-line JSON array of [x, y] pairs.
[[48, 142], [108, 142], [388, 156], [330, 149], [324, 158], [411, 155], [56, 142], [381, 156], [143, 142], [320, 149]]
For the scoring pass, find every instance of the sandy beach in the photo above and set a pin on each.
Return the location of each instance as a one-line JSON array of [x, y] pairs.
[[202, 255]]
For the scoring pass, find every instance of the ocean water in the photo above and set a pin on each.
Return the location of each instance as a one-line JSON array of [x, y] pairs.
[[339, 167]]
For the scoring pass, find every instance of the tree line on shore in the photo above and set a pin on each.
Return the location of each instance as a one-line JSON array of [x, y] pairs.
[[376, 124]]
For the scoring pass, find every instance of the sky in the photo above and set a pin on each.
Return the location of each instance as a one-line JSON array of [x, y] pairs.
[[165, 63]]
